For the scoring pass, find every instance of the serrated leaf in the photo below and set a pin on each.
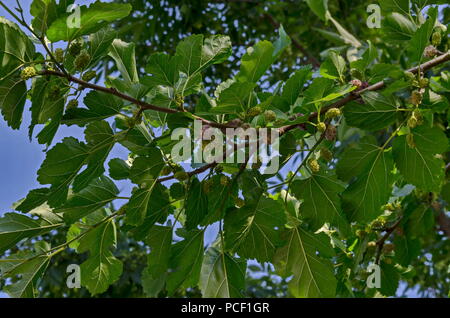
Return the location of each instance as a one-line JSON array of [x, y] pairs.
[[99, 44], [93, 18], [101, 269], [44, 13], [196, 204], [118, 169], [185, 262], [421, 37], [397, 27], [15, 48], [124, 55], [253, 231], [321, 201], [13, 94], [235, 98], [418, 165], [222, 275], [376, 113], [30, 266], [15, 227], [333, 67], [312, 272], [99, 106], [363, 198], [296, 84], [97, 194], [319, 7]]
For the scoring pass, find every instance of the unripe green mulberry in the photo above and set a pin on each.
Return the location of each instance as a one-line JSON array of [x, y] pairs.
[[181, 175], [82, 60], [321, 127], [332, 113], [59, 55], [89, 76], [75, 48], [410, 76], [313, 165], [72, 104], [27, 73], [179, 101], [416, 98], [270, 115], [224, 180], [436, 39], [423, 82], [254, 111]]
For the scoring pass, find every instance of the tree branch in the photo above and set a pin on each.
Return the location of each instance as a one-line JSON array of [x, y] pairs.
[[143, 105], [375, 87]]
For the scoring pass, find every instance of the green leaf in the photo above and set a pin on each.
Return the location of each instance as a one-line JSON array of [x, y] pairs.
[[99, 106], [29, 266], [159, 240], [124, 55], [189, 54], [418, 165], [44, 13], [222, 275], [158, 208], [401, 6], [255, 62], [60, 167], [101, 269], [397, 27], [296, 84], [235, 98], [319, 7], [376, 113], [100, 140], [118, 169], [305, 257], [15, 48], [185, 262], [144, 171], [163, 68], [355, 158], [147, 169], [370, 54], [421, 37], [333, 67], [154, 275], [321, 202], [93, 18], [216, 49], [196, 204], [16, 227], [99, 193], [253, 230], [406, 249], [389, 279], [99, 44], [13, 94], [363, 198]]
